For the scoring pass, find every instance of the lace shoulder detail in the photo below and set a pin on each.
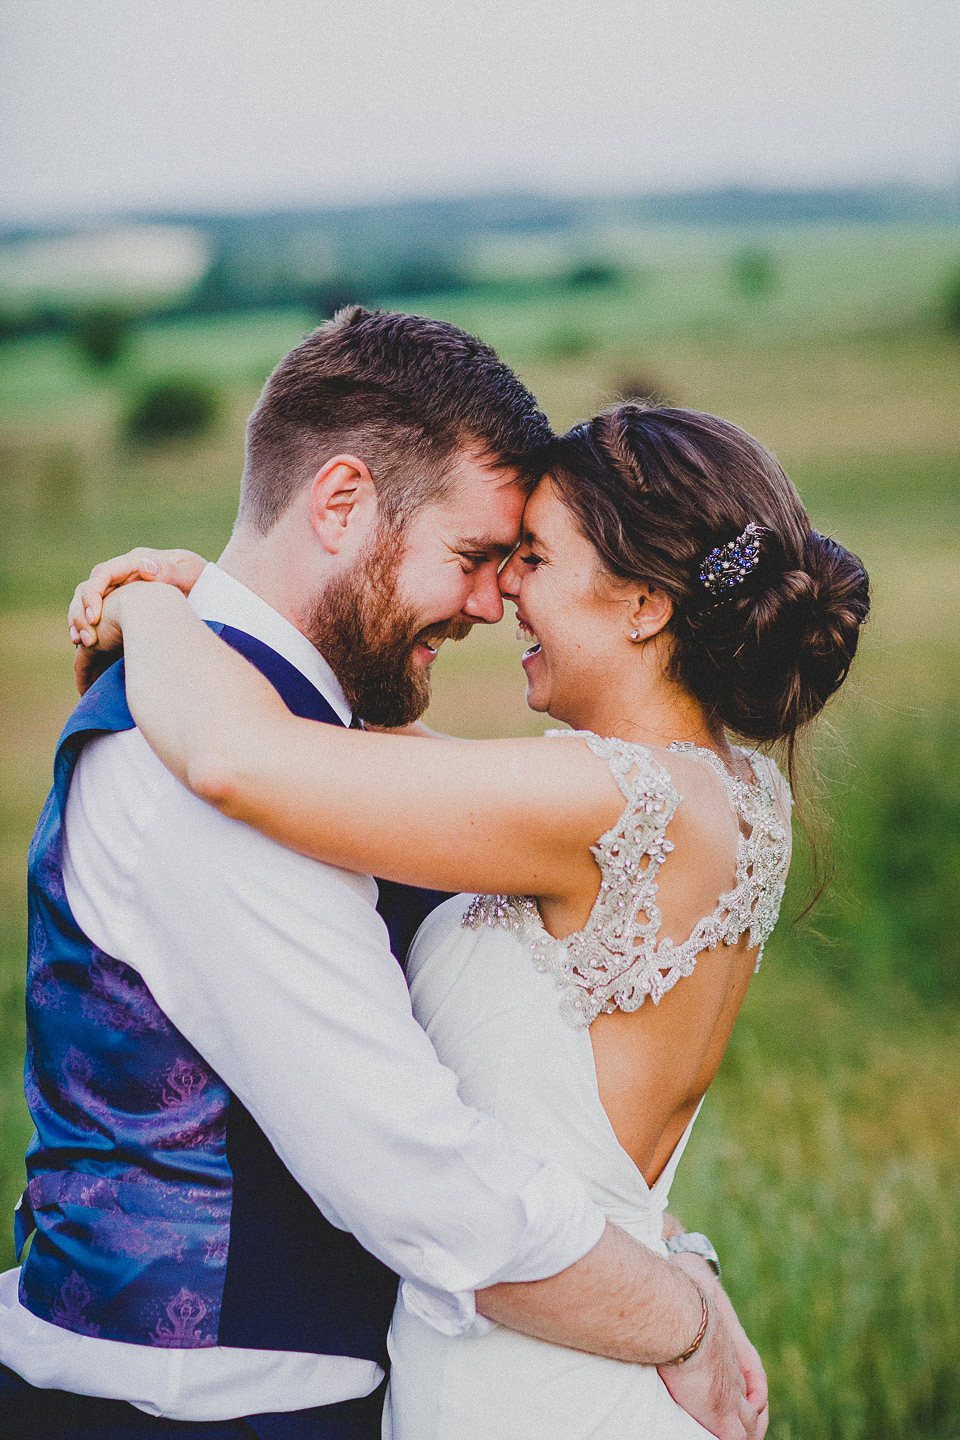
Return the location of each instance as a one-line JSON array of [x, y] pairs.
[[778, 782], [618, 959]]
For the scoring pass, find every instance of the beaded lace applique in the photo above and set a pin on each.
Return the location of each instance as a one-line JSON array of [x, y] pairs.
[[617, 960]]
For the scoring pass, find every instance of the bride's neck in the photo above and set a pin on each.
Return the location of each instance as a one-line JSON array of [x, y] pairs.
[[648, 708]]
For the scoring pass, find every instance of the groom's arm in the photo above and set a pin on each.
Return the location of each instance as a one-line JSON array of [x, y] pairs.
[[622, 1300]]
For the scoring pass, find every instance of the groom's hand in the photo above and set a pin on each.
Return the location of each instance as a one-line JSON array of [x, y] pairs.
[[711, 1387], [748, 1358]]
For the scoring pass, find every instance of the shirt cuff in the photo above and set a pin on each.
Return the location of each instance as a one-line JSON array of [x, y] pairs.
[[450, 1312], [454, 1312]]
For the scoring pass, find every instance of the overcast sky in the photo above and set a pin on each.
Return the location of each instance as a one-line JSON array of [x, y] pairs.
[[122, 104]]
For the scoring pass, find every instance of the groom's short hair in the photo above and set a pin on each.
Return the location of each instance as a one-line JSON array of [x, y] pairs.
[[404, 393]]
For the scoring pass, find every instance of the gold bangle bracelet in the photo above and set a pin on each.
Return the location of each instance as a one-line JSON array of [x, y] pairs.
[[702, 1330]]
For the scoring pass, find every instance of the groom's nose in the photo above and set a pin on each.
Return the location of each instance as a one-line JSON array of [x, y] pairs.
[[485, 603], [509, 578]]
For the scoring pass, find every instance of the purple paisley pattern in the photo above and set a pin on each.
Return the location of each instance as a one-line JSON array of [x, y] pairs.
[[51, 869], [118, 997], [143, 1238], [81, 1094], [192, 1137], [31, 1089], [184, 1081], [216, 1248], [185, 1313], [43, 991], [73, 1299]]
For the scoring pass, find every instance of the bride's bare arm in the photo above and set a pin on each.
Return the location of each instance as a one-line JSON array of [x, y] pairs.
[[515, 815]]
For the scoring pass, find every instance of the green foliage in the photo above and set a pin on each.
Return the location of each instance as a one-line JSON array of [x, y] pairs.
[[951, 301], [182, 407], [60, 478], [102, 335], [594, 275], [568, 342], [823, 1170], [890, 918], [753, 272], [421, 272], [256, 270], [907, 900], [14, 323]]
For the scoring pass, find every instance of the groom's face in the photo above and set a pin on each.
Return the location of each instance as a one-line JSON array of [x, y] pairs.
[[380, 627]]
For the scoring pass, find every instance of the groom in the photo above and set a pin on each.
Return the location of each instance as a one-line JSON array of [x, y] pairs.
[[242, 1134]]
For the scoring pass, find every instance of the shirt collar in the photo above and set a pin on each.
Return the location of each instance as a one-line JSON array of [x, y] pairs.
[[218, 596]]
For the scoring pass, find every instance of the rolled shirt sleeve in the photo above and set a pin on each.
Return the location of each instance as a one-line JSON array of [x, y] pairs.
[[277, 969]]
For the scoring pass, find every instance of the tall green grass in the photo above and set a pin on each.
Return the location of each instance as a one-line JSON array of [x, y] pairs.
[[825, 1165], [893, 915], [824, 1169]]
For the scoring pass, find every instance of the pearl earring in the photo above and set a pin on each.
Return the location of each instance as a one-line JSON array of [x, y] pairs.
[[634, 635]]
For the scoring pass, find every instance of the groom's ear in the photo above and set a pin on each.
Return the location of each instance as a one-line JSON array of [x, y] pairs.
[[343, 502]]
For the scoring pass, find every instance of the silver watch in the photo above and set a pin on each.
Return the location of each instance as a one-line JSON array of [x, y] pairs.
[[689, 1242]]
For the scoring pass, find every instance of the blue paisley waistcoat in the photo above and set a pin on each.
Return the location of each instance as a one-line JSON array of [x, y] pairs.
[[162, 1214]]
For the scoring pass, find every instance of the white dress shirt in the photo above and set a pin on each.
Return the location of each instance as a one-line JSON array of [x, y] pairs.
[[277, 969]]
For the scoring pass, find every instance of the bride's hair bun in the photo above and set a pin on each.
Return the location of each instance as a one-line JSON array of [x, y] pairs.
[[767, 661], [657, 491]]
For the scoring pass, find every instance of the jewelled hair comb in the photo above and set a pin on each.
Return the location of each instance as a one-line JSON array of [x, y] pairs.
[[728, 565]]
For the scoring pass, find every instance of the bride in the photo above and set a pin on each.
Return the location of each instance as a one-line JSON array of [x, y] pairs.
[[622, 875]]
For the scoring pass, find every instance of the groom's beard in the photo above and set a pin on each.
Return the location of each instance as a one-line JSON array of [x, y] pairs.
[[367, 634]]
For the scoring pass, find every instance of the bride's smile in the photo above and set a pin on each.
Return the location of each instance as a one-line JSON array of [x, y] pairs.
[[576, 620]]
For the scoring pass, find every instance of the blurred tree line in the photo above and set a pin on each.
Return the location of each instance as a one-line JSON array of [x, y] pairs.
[[318, 260], [401, 253]]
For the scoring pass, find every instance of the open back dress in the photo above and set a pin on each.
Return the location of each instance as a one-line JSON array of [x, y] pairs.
[[508, 1008]]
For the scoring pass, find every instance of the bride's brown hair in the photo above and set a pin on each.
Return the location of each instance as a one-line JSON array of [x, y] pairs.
[[655, 490]]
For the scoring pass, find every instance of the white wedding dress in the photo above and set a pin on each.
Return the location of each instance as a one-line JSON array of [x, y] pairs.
[[508, 1008]]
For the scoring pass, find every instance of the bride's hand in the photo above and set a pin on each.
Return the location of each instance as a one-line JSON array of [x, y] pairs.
[[181, 568], [98, 645], [748, 1358], [92, 658]]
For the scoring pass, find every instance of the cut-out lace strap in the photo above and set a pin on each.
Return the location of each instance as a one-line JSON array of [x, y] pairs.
[[618, 959]]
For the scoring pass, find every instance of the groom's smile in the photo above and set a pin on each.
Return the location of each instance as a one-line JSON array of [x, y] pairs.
[[428, 642], [380, 627]]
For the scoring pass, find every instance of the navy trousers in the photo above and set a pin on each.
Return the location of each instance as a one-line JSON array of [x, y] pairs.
[[30, 1414]]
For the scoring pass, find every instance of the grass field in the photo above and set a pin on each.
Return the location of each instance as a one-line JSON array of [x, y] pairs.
[[826, 1161]]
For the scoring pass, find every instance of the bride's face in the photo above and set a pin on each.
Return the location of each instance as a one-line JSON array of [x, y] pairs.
[[574, 615]]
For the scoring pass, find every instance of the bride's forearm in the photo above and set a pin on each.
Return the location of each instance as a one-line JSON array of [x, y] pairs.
[[188, 692], [516, 816], [416, 728]]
